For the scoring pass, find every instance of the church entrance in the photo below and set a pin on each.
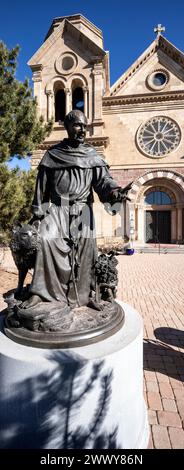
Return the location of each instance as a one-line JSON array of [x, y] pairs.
[[157, 209], [158, 226]]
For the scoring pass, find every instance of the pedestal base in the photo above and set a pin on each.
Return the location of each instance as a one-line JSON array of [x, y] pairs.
[[80, 327], [90, 397]]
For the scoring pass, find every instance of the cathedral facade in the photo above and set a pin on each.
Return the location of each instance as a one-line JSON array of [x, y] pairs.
[[137, 124]]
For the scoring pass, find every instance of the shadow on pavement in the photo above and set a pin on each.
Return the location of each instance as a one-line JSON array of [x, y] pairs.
[[164, 358]]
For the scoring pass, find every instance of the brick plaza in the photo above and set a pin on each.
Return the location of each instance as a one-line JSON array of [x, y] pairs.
[[154, 285]]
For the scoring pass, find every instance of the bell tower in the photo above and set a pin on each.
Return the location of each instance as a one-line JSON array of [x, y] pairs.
[[71, 71]]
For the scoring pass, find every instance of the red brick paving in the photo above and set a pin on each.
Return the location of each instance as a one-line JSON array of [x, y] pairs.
[[154, 285], [7, 281]]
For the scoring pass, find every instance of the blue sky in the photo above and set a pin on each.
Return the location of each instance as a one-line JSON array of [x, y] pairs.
[[127, 26]]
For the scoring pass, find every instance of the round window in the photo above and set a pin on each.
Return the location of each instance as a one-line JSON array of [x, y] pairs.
[[159, 136], [157, 80], [67, 63]]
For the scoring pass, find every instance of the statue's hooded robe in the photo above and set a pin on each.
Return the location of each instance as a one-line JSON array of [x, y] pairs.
[[64, 196]]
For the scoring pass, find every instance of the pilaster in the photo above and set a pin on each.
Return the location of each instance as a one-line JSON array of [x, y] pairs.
[[37, 80], [97, 91]]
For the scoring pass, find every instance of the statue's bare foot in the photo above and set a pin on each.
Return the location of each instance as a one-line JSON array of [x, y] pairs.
[[95, 305], [31, 302]]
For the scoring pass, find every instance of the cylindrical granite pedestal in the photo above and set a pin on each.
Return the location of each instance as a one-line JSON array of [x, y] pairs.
[[89, 397]]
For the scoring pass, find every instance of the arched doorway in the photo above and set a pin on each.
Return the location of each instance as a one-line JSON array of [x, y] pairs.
[[158, 215], [142, 201]]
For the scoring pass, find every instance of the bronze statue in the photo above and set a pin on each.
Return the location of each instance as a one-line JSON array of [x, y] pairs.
[[64, 292]]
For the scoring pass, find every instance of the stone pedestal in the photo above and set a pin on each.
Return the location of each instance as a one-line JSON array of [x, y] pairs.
[[89, 397]]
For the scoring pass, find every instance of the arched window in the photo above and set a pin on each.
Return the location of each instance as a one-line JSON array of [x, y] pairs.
[[60, 105], [157, 197], [78, 99]]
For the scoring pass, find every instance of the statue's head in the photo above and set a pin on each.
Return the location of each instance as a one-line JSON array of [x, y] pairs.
[[75, 124], [25, 237]]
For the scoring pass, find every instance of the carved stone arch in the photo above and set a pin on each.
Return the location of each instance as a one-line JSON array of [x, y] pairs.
[[50, 84], [163, 180], [56, 98], [171, 176], [77, 76], [79, 93]]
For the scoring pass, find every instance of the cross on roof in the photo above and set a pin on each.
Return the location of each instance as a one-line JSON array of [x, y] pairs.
[[159, 29]]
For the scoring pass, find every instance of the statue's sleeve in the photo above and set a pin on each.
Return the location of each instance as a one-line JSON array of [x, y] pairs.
[[103, 183], [42, 192]]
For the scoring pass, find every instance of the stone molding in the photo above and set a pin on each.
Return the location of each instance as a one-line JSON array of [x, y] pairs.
[[149, 80], [82, 39], [155, 174], [96, 141], [160, 43], [66, 27], [109, 101], [37, 72], [97, 68], [59, 63], [73, 19]]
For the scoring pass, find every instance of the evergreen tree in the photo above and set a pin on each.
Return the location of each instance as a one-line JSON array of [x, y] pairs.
[[21, 131], [16, 194]]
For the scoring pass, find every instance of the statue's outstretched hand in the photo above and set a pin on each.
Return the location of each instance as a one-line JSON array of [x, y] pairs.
[[120, 194]]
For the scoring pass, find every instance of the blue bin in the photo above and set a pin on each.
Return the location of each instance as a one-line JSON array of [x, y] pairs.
[[130, 251]]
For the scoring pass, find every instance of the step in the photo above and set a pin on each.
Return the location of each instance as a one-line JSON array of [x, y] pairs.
[[151, 249]]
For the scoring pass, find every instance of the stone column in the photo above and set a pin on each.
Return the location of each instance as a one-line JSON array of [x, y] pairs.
[[68, 104], [50, 110], [179, 234], [173, 225], [122, 218], [130, 220], [85, 92], [141, 224]]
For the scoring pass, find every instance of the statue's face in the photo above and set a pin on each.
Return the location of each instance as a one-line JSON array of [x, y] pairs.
[[77, 130]]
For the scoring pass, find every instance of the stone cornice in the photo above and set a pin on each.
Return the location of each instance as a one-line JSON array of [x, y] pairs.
[[149, 166], [74, 19], [37, 72], [133, 68], [43, 49], [97, 142], [37, 67], [83, 40], [110, 101], [170, 50], [79, 37]]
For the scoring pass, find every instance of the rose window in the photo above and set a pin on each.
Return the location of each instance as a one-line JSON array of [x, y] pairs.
[[159, 136]]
